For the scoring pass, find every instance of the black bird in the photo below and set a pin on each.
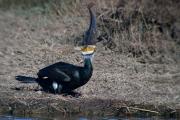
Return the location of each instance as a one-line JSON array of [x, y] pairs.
[[63, 77]]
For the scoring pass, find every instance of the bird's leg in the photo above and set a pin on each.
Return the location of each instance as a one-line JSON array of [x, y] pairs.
[[77, 94], [74, 93], [59, 88]]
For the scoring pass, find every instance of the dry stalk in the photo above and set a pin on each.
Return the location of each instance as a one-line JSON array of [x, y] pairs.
[[104, 13], [58, 108], [140, 109]]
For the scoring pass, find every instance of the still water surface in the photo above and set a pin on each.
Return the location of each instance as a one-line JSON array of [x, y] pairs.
[[10, 117]]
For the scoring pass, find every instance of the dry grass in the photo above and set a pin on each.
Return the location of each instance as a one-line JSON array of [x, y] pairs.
[[60, 7], [143, 29]]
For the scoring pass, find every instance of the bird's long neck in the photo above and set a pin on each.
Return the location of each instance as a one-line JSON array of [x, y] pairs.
[[91, 32], [92, 25], [87, 63], [87, 69]]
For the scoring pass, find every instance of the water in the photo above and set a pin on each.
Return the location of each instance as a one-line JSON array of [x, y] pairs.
[[10, 117]]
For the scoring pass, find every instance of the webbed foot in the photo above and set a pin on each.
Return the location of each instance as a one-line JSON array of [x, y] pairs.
[[73, 94]]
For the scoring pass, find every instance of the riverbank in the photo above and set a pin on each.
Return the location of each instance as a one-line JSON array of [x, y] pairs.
[[43, 104]]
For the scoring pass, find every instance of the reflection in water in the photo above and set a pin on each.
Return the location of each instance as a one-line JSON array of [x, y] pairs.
[[18, 118], [6, 117]]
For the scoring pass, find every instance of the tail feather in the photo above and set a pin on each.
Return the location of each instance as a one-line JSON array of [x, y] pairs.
[[25, 79]]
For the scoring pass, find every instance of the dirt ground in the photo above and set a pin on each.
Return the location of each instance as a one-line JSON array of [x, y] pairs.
[[29, 43]]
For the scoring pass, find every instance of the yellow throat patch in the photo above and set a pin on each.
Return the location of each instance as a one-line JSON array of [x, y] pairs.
[[89, 49]]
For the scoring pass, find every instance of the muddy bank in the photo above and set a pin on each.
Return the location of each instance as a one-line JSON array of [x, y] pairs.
[[37, 103]]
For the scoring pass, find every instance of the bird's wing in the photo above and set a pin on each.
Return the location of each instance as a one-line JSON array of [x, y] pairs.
[[60, 75], [54, 74]]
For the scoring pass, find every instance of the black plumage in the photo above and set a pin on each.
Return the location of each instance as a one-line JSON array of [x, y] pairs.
[[67, 76], [63, 77]]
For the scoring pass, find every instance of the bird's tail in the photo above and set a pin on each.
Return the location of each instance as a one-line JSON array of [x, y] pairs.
[[26, 79]]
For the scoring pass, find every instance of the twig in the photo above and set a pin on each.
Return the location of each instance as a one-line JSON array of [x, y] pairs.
[[104, 13], [140, 109]]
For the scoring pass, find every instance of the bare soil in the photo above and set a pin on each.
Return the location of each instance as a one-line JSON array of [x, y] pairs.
[[31, 42]]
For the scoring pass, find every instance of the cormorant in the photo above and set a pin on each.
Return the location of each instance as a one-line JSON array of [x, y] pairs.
[[63, 77]]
